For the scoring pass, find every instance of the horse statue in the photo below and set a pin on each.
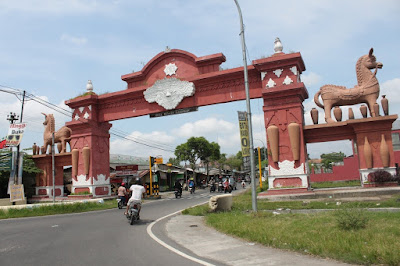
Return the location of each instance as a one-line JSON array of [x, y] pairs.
[[63, 135], [366, 91]]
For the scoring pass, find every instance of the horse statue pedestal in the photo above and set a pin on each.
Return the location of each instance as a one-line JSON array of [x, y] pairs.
[[373, 138], [44, 180]]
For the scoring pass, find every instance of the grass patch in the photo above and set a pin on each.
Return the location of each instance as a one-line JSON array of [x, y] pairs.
[[84, 94], [351, 183], [317, 234], [57, 209], [200, 210], [350, 234]]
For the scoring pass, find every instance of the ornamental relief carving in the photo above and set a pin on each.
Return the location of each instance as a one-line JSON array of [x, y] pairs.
[[120, 103], [234, 84]]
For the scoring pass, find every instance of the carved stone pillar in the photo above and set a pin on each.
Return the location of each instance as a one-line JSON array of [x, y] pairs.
[[92, 140], [377, 131], [283, 95]]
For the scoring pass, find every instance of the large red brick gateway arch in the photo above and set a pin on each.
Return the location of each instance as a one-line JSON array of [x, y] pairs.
[[176, 80]]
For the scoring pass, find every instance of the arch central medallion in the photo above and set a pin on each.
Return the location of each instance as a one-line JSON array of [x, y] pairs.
[[169, 92]]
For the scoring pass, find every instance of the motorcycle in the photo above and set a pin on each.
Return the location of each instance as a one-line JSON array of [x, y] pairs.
[[133, 213], [212, 188], [121, 203], [191, 190], [220, 186], [243, 184], [178, 193], [227, 188]]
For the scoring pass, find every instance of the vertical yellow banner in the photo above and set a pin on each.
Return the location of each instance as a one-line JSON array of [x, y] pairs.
[[244, 134]]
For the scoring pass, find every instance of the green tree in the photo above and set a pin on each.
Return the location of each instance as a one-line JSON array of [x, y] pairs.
[[29, 172], [330, 158], [197, 149], [174, 161], [235, 161], [214, 154]]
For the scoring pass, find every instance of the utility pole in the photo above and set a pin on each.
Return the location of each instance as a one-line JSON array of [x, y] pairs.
[[17, 165], [12, 117], [246, 85], [53, 167]]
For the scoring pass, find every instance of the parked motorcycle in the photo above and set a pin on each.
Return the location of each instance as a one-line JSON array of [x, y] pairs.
[[122, 201], [133, 213]]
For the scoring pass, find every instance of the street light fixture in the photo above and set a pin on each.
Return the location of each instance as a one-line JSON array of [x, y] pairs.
[[12, 117]]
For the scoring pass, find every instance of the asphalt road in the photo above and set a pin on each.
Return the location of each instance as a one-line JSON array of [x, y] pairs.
[[95, 238]]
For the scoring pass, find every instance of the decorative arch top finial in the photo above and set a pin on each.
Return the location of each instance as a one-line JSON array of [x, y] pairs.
[[278, 48]]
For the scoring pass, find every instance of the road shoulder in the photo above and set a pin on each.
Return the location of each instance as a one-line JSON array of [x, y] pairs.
[[192, 233]]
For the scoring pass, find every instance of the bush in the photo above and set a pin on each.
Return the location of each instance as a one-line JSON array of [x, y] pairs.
[[381, 176], [351, 218]]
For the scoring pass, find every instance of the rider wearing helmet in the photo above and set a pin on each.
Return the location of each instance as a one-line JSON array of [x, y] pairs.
[[138, 192], [122, 192]]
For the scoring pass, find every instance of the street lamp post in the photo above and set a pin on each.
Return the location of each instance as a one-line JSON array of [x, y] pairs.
[[246, 85]]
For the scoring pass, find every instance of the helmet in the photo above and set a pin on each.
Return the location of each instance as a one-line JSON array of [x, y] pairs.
[[138, 181], [123, 184]]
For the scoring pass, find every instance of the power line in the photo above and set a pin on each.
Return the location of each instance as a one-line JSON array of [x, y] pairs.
[[115, 132]]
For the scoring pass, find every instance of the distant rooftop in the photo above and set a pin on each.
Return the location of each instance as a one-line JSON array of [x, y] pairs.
[[118, 159]]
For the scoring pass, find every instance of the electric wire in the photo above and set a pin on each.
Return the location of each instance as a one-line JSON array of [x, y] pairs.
[[115, 132]]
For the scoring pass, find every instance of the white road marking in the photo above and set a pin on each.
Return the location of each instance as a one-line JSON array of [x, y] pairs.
[[8, 249], [162, 243]]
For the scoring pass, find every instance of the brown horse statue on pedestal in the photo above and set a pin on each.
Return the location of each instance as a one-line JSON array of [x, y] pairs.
[[367, 90], [63, 135]]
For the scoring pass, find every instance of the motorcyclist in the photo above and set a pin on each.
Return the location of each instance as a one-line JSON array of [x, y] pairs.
[[212, 184], [178, 186], [138, 192], [226, 185], [191, 184], [122, 193]]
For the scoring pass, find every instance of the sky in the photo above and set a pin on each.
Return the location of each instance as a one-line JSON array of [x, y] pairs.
[[51, 48]]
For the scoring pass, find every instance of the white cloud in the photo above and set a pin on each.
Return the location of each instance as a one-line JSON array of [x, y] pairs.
[[56, 6], [311, 79], [316, 149], [72, 39], [153, 139], [204, 127], [32, 115], [391, 89]]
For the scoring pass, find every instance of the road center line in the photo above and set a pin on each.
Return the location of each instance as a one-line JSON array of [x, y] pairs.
[[162, 243]]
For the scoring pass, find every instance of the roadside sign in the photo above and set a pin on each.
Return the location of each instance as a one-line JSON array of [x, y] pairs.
[[126, 169], [244, 134], [158, 160], [15, 133], [17, 193]]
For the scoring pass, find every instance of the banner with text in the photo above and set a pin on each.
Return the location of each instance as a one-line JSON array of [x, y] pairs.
[[15, 133], [17, 193], [244, 133]]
